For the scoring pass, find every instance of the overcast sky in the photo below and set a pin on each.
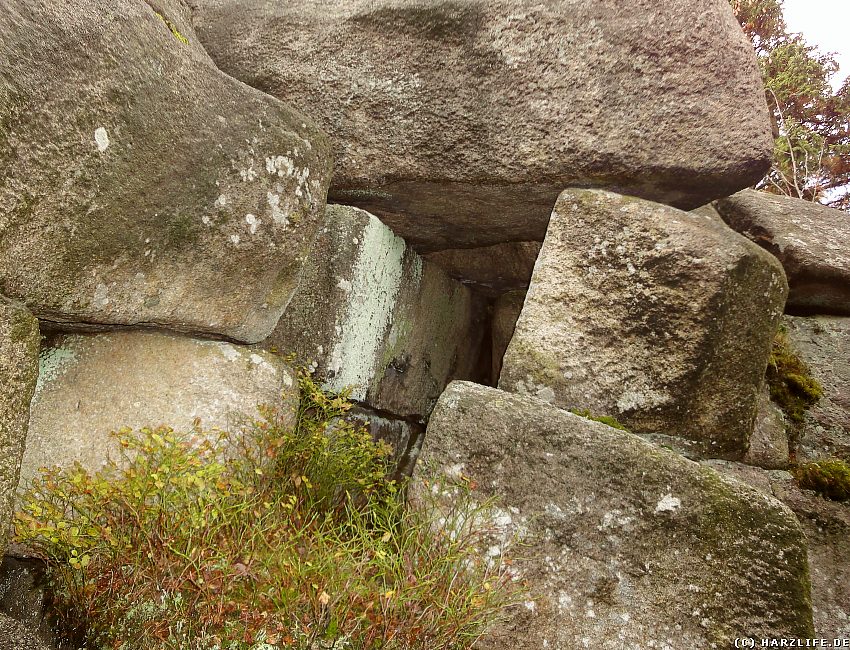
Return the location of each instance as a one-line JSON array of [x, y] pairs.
[[825, 23]]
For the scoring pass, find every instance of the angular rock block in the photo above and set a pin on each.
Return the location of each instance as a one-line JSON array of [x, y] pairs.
[[769, 444], [140, 184], [90, 385], [823, 343], [490, 270], [458, 123], [621, 543], [506, 311], [658, 317], [371, 315], [19, 343], [811, 241]]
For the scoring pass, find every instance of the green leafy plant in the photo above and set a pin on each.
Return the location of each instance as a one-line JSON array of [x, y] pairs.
[[290, 535], [831, 478], [789, 379]]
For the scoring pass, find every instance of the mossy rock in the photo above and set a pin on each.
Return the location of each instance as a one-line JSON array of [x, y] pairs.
[[830, 478], [791, 385]]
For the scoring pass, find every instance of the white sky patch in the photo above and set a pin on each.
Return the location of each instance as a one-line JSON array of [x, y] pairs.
[[824, 23]]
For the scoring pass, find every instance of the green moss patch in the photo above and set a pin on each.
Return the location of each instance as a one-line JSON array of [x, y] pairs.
[[830, 478], [604, 419], [791, 385]]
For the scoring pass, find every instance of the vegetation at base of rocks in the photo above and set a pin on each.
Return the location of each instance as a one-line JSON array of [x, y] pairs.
[[811, 121], [830, 478], [173, 29], [789, 379], [286, 536], [604, 419]]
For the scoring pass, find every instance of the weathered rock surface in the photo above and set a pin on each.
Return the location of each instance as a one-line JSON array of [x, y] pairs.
[[16, 636], [769, 446], [490, 270], [140, 184], [823, 342], [624, 544], [370, 314], [827, 527], [506, 311], [658, 317], [458, 123], [811, 241], [19, 343], [93, 384]]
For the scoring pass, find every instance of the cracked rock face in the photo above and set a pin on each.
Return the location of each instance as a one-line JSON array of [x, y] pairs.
[[810, 240], [458, 123], [660, 318], [142, 185], [90, 385], [19, 343], [622, 543]]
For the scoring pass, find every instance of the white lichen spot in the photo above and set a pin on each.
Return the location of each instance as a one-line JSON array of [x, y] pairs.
[[345, 285], [234, 239], [52, 364], [256, 359], [206, 220], [221, 201], [101, 138], [668, 503], [253, 222], [278, 213], [229, 352], [248, 175], [530, 605], [101, 295]]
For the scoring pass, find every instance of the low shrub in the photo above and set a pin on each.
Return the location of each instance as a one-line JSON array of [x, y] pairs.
[[284, 537]]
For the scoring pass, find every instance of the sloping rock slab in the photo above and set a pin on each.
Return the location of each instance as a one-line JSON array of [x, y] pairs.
[[19, 343], [371, 315], [458, 123], [823, 343], [624, 544], [91, 385], [140, 184], [658, 317], [811, 241]]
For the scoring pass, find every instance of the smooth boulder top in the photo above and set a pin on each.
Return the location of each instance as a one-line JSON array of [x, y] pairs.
[[658, 317], [811, 240], [141, 185], [458, 123], [620, 542], [93, 384]]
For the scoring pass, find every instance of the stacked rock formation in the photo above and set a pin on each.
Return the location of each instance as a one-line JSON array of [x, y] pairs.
[[509, 186]]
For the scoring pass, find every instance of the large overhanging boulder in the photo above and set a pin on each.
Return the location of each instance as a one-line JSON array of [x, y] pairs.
[[458, 123], [140, 184], [658, 317]]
